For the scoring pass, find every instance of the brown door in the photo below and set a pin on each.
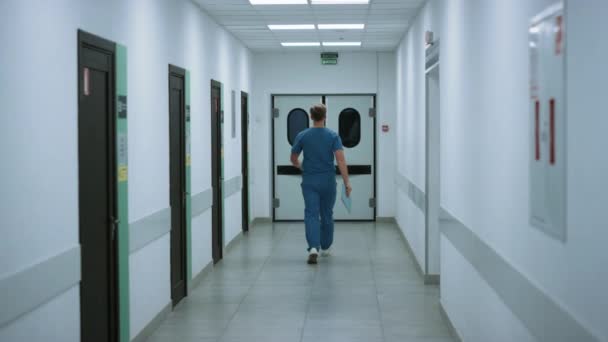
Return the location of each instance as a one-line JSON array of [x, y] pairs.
[[217, 119], [245, 159], [177, 189], [97, 189]]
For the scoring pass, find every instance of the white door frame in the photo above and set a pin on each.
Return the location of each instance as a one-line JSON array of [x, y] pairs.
[[432, 206]]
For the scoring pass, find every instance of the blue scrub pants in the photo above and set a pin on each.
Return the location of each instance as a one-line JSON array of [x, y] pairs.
[[319, 199]]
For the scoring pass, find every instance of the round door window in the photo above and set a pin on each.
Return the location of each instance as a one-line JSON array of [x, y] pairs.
[[297, 121], [350, 127]]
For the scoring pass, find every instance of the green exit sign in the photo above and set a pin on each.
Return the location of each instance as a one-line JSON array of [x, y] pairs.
[[329, 58]]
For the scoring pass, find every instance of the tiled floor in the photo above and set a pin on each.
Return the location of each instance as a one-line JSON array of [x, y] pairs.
[[263, 290]]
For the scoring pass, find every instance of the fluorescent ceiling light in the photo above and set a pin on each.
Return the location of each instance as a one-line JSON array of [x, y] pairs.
[[302, 44], [292, 27], [341, 43], [341, 26], [339, 2], [278, 2]]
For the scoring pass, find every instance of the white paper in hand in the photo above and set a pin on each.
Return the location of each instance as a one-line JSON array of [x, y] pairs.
[[347, 201]]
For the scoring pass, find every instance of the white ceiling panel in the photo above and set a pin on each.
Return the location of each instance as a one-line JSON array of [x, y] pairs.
[[385, 23]]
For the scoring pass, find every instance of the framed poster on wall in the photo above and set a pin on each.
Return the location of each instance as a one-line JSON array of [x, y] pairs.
[[547, 46]]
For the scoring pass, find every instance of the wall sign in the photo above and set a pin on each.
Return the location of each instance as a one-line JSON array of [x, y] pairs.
[[122, 106], [547, 41], [122, 156], [86, 85], [329, 58], [188, 147]]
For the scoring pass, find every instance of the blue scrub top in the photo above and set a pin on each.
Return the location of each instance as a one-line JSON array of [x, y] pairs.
[[319, 146]]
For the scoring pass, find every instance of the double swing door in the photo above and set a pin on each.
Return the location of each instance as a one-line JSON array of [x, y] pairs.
[[353, 118]]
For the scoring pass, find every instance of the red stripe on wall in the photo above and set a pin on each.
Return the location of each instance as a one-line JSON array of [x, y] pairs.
[[552, 131], [537, 129]]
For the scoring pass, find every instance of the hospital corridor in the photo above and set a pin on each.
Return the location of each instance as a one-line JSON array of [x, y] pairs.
[[303, 170]]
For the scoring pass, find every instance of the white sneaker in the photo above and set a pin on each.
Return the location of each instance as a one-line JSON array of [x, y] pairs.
[[312, 256], [326, 252]]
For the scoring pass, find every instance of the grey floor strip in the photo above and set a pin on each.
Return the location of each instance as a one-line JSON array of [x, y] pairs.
[[233, 243], [447, 319], [200, 276], [151, 327], [543, 317], [432, 279], [261, 220], [26, 290], [201, 202], [232, 186], [148, 229], [390, 220], [408, 247]]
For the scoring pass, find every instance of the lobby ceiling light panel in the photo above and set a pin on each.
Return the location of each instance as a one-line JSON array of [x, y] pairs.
[[341, 43], [300, 44], [341, 26], [292, 27], [278, 2], [339, 2]]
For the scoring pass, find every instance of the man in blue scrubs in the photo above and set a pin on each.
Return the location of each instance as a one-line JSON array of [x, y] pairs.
[[320, 146]]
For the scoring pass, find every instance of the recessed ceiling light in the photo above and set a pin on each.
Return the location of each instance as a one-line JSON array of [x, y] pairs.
[[302, 44], [278, 2], [341, 26], [292, 27], [339, 2], [341, 43]]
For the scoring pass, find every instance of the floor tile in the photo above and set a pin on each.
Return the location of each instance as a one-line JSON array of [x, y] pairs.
[[368, 290], [227, 294], [346, 329]]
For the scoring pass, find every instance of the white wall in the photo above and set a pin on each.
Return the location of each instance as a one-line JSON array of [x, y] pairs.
[[39, 133], [302, 73], [385, 145], [485, 153], [411, 126], [165, 32], [232, 217]]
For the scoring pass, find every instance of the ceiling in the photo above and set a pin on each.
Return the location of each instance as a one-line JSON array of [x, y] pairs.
[[385, 23]]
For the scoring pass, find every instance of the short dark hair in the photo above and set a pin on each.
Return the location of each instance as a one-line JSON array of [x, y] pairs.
[[318, 112]]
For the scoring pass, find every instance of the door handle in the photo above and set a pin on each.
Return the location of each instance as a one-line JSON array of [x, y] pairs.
[[114, 222]]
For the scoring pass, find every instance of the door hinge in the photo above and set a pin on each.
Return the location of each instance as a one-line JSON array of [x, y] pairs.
[[372, 202], [372, 112], [275, 112], [276, 203], [114, 223]]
